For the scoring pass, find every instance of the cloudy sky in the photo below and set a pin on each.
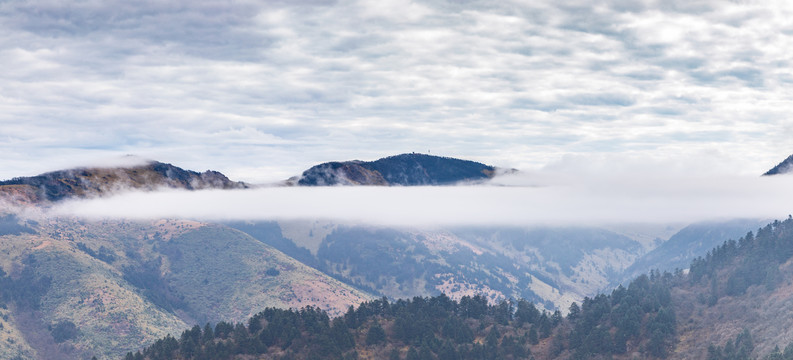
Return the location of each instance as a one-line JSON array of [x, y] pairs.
[[263, 90]]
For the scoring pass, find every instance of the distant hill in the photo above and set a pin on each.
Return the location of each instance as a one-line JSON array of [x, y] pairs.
[[551, 267], [688, 243], [406, 170], [782, 168], [97, 181]]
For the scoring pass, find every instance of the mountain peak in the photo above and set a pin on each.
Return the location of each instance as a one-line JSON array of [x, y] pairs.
[[408, 169], [784, 167], [83, 182]]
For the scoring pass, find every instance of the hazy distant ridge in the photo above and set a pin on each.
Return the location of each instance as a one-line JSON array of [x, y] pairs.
[[782, 168]]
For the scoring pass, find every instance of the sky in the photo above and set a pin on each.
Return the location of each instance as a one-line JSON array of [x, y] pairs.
[[263, 90]]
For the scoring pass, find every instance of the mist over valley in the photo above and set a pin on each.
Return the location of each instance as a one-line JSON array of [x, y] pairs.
[[165, 240]]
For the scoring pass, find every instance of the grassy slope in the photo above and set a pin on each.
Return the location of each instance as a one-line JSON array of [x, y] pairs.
[[114, 316], [110, 314], [223, 274], [92, 295], [12, 341]]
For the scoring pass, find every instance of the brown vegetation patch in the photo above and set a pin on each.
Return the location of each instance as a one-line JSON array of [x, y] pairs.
[[457, 289], [19, 194], [43, 244], [170, 228], [331, 298]]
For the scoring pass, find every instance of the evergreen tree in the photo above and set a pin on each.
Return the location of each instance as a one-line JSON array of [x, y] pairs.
[[208, 334], [534, 337], [413, 354], [526, 312], [376, 335]]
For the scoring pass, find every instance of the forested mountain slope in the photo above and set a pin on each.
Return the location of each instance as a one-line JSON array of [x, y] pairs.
[[687, 244], [441, 328], [730, 305]]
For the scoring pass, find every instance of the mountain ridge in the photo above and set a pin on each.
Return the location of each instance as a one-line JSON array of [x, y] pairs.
[[409, 169], [784, 167], [85, 182]]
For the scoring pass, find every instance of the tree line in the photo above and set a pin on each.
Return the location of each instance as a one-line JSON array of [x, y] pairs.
[[637, 318]]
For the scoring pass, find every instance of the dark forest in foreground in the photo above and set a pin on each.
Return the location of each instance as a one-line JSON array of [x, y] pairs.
[[440, 328]]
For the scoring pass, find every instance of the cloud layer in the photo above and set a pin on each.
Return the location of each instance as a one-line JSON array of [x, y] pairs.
[[521, 200], [262, 90]]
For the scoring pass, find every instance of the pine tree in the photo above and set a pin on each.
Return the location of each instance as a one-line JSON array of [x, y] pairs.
[[376, 335]]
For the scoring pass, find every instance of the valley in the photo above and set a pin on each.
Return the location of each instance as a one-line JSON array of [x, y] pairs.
[[78, 288]]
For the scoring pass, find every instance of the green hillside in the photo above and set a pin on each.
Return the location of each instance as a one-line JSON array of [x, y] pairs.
[[76, 289]]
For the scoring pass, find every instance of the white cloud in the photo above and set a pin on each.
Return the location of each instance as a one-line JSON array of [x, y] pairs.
[[283, 85], [612, 199]]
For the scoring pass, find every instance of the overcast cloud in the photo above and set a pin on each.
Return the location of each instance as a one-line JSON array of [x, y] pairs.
[[262, 90]]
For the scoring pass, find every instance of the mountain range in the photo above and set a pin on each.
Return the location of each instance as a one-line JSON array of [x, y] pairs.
[[74, 288]]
